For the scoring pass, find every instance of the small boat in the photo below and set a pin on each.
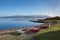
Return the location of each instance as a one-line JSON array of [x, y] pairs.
[[44, 27], [33, 30]]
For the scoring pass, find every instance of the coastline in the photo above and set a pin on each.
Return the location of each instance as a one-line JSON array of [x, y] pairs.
[[6, 34], [12, 30]]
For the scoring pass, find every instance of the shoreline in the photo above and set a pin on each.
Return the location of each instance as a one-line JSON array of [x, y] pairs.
[[8, 34], [12, 30]]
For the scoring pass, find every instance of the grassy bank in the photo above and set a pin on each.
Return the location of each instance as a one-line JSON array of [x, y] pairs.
[[52, 33]]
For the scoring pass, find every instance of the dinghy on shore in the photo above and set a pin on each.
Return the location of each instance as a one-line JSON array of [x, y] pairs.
[[32, 29]]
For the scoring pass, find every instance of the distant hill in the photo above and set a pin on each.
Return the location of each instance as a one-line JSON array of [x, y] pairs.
[[53, 18], [31, 16]]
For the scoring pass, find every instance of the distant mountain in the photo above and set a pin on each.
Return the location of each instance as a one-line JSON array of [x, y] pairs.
[[31, 16]]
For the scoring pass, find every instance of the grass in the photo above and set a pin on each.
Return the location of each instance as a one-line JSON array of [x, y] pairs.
[[52, 33]]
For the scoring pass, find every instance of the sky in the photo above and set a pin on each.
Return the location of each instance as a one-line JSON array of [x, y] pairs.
[[30, 7]]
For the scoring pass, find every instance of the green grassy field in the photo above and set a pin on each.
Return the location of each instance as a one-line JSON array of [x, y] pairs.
[[52, 33]]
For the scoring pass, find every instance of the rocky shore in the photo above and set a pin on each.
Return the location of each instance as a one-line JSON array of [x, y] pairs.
[[6, 35]]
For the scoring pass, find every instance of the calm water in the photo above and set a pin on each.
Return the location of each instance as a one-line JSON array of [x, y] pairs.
[[10, 23]]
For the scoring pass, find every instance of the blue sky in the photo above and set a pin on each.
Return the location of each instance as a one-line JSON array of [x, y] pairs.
[[29, 7]]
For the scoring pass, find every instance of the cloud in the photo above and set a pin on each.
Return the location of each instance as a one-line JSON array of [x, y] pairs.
[[55, 11]]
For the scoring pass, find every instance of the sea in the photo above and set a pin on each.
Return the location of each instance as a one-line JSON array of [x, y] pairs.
[[12, 23]]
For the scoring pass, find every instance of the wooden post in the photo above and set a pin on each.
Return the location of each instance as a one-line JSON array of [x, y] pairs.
[[49, 25]]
